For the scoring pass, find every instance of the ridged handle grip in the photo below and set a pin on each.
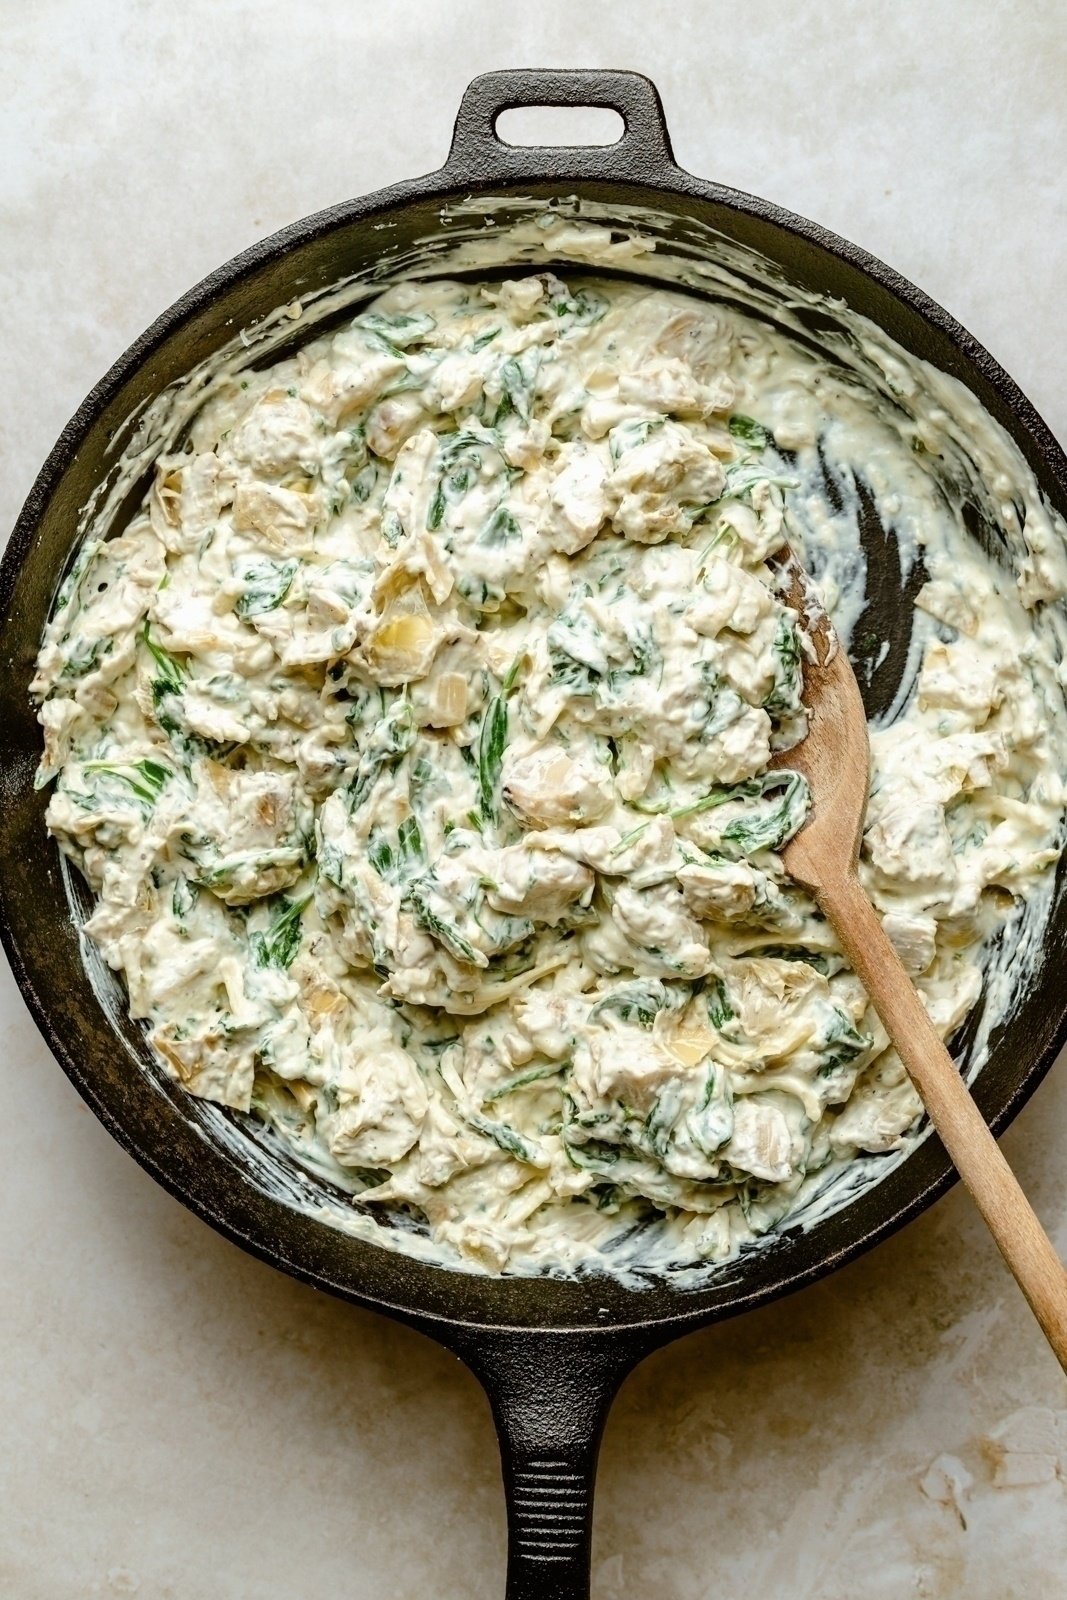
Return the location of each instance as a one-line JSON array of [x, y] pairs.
[[642, 155], [550, 1507], [550, 1394]]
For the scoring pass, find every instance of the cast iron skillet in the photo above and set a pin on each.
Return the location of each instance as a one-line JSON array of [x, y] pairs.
[[551, 1355]]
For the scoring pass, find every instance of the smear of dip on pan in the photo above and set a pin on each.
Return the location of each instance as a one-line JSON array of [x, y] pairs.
[[413, 738]]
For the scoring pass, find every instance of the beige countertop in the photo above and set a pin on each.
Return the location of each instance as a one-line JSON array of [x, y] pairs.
[[179, 1422]]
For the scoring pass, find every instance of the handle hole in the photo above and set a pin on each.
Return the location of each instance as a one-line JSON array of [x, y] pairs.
[[560, 125]]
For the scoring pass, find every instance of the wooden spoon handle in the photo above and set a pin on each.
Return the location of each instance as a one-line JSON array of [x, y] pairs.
[[975, 1153]]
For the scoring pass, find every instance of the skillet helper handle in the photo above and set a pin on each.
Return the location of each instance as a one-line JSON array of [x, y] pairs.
[[550, 1394], [960, 1125], [642, 155]]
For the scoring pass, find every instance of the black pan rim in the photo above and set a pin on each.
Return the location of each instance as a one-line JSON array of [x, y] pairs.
[[442, 187]]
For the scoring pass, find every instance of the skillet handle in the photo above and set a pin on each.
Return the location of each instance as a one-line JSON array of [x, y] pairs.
[[642, 155], [550, 1394]]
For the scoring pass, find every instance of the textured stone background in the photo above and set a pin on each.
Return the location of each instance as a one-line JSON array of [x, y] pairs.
[[180, 1423]]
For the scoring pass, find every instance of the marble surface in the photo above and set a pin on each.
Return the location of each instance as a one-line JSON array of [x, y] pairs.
[[177, 1421]]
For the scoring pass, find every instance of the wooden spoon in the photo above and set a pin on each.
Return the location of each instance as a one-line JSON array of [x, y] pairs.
[[824, 857]]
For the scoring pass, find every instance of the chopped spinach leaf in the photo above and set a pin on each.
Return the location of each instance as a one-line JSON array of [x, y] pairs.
[[363, 483], [842, 1041], [501, 528], [825, 961], [785, 696], [279, 945], [331, 864], [748, 431], [183, 898], [773, 823], [628, 435], [512, 1143], [520, 1080], [380, 855], [638, 1002], [444, 932], [266, 584], [171, 674], [412, 848], [146, 778], [392, 738], [582, 306], [459, 460], [482, 339], [491, 744], [393, 334], [80, 663], [717, 1001]]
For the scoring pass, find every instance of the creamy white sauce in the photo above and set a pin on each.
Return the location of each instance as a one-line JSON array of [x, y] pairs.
[[411, 739]]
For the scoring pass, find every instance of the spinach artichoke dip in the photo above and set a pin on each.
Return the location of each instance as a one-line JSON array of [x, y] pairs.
[[413, 738]]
